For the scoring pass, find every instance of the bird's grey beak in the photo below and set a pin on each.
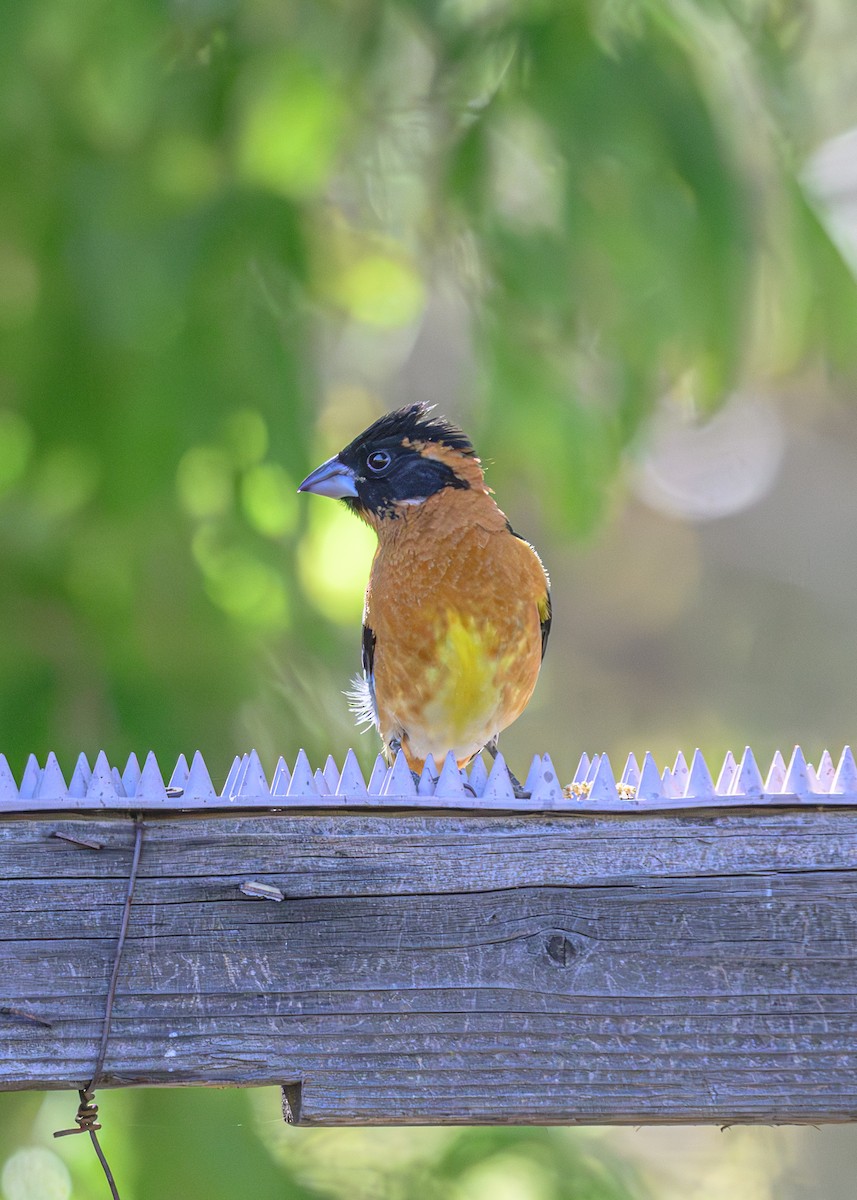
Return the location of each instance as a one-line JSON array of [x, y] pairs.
[[332, 478]]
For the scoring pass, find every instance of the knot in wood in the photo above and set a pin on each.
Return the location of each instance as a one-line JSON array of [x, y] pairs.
[[560, 949]]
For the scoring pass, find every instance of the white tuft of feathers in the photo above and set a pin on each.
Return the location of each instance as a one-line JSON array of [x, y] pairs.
[[361, 701]]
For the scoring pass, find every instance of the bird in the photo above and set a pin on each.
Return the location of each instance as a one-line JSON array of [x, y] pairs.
[[457, 609]]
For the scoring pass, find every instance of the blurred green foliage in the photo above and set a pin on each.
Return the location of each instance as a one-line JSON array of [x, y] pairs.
[[223, 224], [201, 203], [175, 1144]]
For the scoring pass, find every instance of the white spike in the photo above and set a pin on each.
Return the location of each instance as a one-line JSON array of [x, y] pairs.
[[478, 775], [331, 775], [499, 785], [669, 787], [231, 780], [80, 778], [449, 784], [533, 775], [582, 772], [650, 786], [131, 775], [52, 784], [376, 779], [302, 782], [428, 778], [150, 785], [351, 784], [240, 775], [199, 785], [603, 786], [30, 778], [747, 780], [776, 775], [282, 778], [845, 780], [118, 785], [399, 780], [547, 790], [631, 773], [321, 782], [593, 768], [727, 771], [253, 784], [178, 779], [101, 784], [825, 772], [797, 782], [680, 774], [699, 782], [8, 786]]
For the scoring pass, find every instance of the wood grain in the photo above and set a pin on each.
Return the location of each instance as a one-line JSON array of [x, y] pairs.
[[429, 967]]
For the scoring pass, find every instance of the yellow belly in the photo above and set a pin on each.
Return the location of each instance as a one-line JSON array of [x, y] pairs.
[[471, 684]]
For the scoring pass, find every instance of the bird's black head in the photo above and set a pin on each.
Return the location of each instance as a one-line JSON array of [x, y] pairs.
[[399, 461]]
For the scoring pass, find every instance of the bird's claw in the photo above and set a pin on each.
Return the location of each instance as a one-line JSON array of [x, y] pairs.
[[518, 788]]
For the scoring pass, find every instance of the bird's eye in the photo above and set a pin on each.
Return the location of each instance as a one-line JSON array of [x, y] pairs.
[[378, 461]]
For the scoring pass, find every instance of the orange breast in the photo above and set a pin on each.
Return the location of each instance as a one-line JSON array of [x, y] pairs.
[[454, 601]]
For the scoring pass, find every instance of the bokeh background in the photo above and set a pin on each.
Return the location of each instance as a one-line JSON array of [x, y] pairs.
[[617, 241]]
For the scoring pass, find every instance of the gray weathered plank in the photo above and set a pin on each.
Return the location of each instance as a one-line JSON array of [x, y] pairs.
[[447, 967]]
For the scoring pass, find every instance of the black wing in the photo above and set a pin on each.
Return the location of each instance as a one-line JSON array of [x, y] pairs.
[[368, 651], [545, 609], [361, 697], [547, 617]]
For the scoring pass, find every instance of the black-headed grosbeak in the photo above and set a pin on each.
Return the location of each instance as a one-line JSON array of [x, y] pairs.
[[458, 609]]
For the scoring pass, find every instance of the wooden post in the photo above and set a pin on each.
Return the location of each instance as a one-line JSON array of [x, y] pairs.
[[440, 966]]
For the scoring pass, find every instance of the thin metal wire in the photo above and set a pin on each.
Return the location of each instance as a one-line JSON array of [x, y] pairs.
[[105, 1165], [123, 932], [87, 1112]]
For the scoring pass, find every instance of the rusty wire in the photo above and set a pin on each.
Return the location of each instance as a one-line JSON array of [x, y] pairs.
[[86, 1117]]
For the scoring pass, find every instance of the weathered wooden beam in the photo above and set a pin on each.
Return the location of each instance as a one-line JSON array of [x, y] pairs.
[[446, 967]]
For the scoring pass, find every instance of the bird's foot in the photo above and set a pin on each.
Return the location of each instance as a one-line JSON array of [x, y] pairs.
[[518, 788]]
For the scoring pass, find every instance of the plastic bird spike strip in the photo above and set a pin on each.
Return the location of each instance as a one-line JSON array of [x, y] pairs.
[[594, 788]]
